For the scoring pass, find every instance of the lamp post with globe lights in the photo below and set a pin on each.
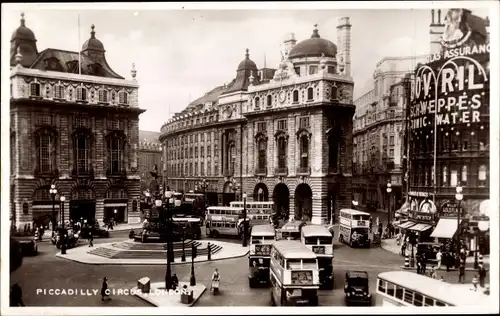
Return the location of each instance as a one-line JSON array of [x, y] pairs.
[[459, 197], [53, 194], [389, 212], [63, 232], [354, 204]]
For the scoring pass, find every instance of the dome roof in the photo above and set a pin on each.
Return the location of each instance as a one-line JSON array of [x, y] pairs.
[[314, 47], [247, 63], [93, 43], [23, 32]]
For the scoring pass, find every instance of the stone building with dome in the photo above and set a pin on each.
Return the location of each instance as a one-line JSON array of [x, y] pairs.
[[283, 135], [74, 124]]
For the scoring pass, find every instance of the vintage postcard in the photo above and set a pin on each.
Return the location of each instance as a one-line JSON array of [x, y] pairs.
[[180, 158]]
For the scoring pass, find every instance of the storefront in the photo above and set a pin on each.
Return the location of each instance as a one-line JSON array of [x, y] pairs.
[[421, 216], [448, 221]]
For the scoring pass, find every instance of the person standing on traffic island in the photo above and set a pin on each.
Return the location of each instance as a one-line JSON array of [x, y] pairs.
[[439, 257], [461, 272], [482, 274], [104, 289], [91, 239]]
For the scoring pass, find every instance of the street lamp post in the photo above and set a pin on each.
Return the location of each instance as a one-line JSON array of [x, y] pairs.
[[204, 185], [192, 279], [354, 204], [115, 211], [459, 196], [482, 226], [63, 244], [389, 211], [53, 193], [245, 226]]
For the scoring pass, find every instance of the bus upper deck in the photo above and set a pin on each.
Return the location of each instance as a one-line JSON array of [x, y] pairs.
[[403, 288], [318, 238], [291, 230]]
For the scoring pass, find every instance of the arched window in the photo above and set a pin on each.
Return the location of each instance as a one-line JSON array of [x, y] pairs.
[[257, 103], [262, 160], [35, 89], [46, 151], [116, 146], [295, 96], [122, 97], [445, 175], [310, 94], [333, 154], [103, 96], [304, 151], [335, 93], [59, 92], [464, 175], [269, 100], [282, 148]]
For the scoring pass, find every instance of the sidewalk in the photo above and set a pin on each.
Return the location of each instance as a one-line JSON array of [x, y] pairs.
[[392, 246], [122, 227], [80, 254], [160, 298]]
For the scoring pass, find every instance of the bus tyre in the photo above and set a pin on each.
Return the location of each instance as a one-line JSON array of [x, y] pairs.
[[215, 234]]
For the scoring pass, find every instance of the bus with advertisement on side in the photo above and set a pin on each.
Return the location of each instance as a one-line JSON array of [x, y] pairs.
[[404, 288], [224, 220], [354, 228], [261, 240], [294, 274], [259, 212], [319, 239]]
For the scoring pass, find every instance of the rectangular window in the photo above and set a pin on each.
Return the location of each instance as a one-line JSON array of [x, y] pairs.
[[261, 127], [195, 168], [209, 151], [202, 152], [297, 71], [454, 178], [82, 154], [331, 69], [202, 167], [114, 124], [313, 70], [123, 97], [304, 122], [196, 152], [391, 153], [103, 96], [391, 141], [45, 153], [418, 300], [43, 119], [209, 171], [35, 89], [282, 124], [408, 298], [59, 92], [116, 157]]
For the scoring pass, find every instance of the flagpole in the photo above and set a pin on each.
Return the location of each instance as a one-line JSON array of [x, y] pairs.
[[79, 48]]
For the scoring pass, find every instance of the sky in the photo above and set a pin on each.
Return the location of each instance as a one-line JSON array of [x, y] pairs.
[[181, 54]]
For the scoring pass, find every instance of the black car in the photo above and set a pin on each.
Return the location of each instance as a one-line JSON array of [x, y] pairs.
[[429, 248], [95, 230], [28, 245], [356, 288]]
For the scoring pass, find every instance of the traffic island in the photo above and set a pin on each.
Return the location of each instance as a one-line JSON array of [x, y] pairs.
[[184, 296], [120, 253]]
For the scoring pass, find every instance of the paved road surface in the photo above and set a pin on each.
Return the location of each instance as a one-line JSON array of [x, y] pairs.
[[47, 271]]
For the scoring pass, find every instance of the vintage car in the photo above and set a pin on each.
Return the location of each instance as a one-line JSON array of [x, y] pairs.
[[95, 230], [429, 248], [28, 244], [356, 288]]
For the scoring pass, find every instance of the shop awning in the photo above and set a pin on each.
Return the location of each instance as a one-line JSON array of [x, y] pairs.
[[420, 227], [445, 228], [406, 225]]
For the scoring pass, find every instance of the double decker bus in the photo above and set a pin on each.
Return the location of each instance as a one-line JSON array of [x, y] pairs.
[[261, 240], [259, 212], [354, 228], [403, 288], [294, 274], [320, 241], [224, 220], [187, 226], [291, 230]]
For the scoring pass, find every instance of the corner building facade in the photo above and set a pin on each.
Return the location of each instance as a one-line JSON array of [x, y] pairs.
[[283, 135], [75, 125]]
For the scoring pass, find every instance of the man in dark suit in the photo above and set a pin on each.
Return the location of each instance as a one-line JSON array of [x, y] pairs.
[[482, 274]]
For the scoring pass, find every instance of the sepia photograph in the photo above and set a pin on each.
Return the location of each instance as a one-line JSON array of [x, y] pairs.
[[174, 157]]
